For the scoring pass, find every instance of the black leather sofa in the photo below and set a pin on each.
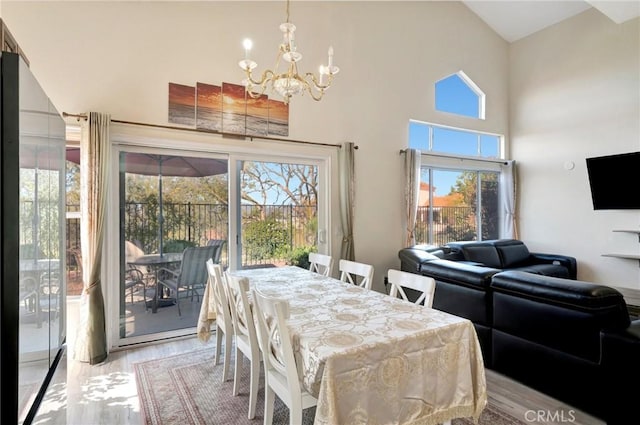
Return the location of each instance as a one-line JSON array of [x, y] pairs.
[[463, 272], [569, 339]]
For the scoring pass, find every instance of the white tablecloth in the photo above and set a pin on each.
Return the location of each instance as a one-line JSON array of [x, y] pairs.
[[372, 359]]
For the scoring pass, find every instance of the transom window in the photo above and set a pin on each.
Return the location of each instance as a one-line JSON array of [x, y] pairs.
[[428, 137]]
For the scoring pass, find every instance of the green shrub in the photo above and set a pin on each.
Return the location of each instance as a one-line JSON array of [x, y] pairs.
[[265, 239], [177, 245], [300, 256]]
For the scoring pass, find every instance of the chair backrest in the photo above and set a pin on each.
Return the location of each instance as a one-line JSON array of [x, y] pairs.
[[241, 313], [424, 284], [131, 252], [349, 270], [223, 312], [275, 341], [320, 263], [193, 269], [219, 243]]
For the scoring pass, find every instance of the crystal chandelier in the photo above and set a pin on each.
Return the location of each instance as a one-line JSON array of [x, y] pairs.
[[289, 82]]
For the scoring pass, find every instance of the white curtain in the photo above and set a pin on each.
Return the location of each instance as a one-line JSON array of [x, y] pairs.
[[91, 341], [346, 169], [508, 228], [411, 191]]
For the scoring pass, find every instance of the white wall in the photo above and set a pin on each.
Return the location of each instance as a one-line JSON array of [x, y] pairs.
[[575, 93], [118, 57]]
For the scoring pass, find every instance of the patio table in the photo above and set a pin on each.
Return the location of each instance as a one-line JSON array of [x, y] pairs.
[[156, 262], [31, 272]]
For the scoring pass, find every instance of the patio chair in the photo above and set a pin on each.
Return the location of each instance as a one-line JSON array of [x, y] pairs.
[[219, 243], [134, 281], [192, 274], [133, 251]]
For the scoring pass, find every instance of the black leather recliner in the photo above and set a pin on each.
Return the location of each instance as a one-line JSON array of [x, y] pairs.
[[563, 338]]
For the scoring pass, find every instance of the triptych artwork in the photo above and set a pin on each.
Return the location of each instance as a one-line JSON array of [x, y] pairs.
[[227, 108]]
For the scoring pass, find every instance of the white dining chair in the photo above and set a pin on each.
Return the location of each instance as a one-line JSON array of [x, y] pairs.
[[224, 322], [423, 284], [320, 263], [351, 270], [281, 372], [246, 336]]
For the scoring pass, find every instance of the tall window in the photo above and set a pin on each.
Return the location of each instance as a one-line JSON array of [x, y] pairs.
[[460, 177]]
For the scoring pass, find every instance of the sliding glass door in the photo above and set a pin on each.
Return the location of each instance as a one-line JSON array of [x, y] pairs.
[[255, 213], [169, 202]]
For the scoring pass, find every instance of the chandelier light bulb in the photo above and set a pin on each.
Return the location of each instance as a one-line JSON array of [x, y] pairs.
[[248, 44]]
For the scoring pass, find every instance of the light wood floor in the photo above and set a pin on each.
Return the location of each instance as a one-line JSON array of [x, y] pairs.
[[106, 394]]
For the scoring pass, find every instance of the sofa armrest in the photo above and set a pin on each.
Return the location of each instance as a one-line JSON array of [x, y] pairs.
[[412, 258], [563, 260]]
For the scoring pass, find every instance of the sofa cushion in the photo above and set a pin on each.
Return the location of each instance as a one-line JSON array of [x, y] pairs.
[[554, 270], [459, 273], [512, 253], [561, 314], [482, 253], [604, 302]]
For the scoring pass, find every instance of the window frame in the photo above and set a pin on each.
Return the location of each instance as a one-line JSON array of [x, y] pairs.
[[478, 133]]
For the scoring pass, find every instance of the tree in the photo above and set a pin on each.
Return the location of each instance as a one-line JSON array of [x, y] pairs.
[[467, 186]]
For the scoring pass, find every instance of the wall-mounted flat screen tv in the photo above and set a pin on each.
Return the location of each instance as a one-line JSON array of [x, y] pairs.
[[615, 181]]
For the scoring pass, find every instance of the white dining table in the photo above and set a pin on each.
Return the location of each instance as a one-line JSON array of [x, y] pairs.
[[373, 359]]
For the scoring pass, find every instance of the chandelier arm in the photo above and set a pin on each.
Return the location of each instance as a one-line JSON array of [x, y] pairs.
[[316, 84], [317, 97], [264, 78]]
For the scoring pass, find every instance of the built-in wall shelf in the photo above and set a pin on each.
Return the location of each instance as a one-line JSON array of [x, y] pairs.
[[637, 232], [627, 256]]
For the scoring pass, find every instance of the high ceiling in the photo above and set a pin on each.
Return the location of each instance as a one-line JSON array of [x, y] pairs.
[[514, 20]]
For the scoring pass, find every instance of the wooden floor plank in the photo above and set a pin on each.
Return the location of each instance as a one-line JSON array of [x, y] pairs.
[[106, 393]]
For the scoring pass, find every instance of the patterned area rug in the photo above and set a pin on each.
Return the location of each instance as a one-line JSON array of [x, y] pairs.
[[188, 389]]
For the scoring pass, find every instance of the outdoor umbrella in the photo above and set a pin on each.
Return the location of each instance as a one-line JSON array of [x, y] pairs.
[[149, 164], [170, 165]]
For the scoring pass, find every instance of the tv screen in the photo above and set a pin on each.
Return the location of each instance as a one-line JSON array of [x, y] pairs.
[[615, 181]]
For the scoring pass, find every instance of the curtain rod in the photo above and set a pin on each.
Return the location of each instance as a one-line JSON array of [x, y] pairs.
[[223, 134], [498, 161]]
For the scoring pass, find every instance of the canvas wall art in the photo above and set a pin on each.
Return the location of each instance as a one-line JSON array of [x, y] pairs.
[[182, 104], [227, 108], [234, 108], [278, 118], [208, 107], [257, 115]]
